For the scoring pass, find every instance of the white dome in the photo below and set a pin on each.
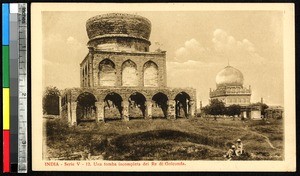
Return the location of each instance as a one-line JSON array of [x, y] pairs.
[[230, 76]]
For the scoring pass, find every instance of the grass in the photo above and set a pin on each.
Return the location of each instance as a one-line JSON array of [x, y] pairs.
[[162, 139]]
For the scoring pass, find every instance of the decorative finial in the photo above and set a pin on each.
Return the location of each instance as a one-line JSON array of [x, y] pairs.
[[228, 61]]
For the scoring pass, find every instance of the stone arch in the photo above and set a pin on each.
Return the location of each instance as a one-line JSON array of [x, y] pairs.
[[102, 95], [129, 73], [86, 109], [182, 105], [150, 70], [137, 105], [51, 101], [113, 106], [160, 105], [107, 73]]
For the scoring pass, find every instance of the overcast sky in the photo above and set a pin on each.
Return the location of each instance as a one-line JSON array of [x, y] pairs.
[[198, 45]]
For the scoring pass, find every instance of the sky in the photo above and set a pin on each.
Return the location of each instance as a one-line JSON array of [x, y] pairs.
[[199, 44]]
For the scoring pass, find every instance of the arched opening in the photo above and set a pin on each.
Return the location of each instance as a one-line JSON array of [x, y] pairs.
[[112, 106], [86, 109], [129, 74], [51, 101], [150, 74], [107, 73], [182, 105], [137, 106], [160, 105]]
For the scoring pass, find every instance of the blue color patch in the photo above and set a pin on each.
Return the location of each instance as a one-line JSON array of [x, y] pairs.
[[5, 24]]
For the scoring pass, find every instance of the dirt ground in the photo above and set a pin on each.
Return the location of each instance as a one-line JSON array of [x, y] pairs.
[[162, 139]]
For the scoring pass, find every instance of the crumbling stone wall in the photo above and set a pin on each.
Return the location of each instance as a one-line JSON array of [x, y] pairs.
[[123, 78], [116, 24], [90, 68], [69, 110]]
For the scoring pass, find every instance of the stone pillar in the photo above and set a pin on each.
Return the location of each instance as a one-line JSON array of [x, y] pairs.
[[69, 112], [81, 77], [171, 109], [188, 108], [59, 105], [140, 75], [118, 74], [192, 108], [92, 71], [148, 114], [125, 111], [73, 113], [95, 76], [100, 111]]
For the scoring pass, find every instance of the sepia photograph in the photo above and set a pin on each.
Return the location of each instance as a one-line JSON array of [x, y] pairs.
[[135, 87]]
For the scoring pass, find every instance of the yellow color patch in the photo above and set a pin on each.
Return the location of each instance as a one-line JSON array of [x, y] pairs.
[[6, 108]]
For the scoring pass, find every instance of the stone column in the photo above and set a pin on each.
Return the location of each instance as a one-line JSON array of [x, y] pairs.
[[192, 108], [171, 109], [148, 114], [100, 111], [69, 112], [73, 113], [92, 71], [118, 74], [140, 75], [81, 77], [59, 106], [125, 111]]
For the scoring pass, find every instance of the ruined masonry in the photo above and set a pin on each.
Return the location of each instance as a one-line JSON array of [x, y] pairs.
[[120, 77]]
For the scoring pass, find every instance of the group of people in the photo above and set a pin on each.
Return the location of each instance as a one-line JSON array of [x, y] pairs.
[[235, 150]]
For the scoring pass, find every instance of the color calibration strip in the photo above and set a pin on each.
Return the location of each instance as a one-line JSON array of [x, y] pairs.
[[14, 91], [14, 88], [5, 87], [22, 90]]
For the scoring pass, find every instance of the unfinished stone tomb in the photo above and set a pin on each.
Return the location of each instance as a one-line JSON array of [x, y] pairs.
[[121, 79]]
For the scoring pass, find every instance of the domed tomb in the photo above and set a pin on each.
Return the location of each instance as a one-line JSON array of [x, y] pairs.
[[119, 32], [229, 76]]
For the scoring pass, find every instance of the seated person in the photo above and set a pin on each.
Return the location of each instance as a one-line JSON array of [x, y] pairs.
[[230, 153], [239, 148]]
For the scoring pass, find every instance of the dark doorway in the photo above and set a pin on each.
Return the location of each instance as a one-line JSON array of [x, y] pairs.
[[137, 106], [160, 105], [86, 109], [182, 106], [113, 106]]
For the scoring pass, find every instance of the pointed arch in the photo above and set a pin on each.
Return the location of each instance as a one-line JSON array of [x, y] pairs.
[[137, 105], [160, 105], [150, 70], [107, 73], [113, 106], [182, 105], [129, 73], [86, 109]]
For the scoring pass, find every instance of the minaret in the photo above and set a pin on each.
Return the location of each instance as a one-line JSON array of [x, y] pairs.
[[200, 104]]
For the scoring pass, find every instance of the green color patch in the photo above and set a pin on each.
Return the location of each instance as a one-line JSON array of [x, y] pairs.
[[5, 66]]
